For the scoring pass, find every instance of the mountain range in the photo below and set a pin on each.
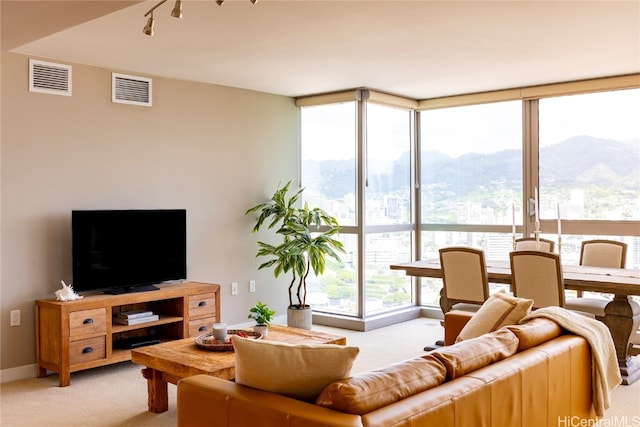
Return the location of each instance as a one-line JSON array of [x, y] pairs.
[[594, 162]]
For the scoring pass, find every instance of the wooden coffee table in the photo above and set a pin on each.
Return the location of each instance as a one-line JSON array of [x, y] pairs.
[[171, 361]]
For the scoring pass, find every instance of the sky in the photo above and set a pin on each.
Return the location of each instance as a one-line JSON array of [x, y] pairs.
[[329, 132]]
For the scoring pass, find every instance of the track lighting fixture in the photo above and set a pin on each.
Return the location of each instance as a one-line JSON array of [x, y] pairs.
[[176, 12], [177, 9], [148, 29]]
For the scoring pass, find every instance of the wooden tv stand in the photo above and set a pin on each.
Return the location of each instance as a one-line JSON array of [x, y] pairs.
[[75, 335]]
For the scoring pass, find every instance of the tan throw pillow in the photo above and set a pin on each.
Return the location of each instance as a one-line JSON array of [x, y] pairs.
[[470, 355], [371, 390], [300, 371], [499, 310]]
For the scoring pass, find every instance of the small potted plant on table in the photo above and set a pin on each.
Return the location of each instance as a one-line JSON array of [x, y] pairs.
[[263, 316]]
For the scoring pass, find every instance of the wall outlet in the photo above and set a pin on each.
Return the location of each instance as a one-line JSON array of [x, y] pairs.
[[15, 318], [234, 288], [252, 285]]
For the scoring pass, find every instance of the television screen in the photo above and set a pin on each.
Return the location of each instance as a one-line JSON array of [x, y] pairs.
[[123, 250]]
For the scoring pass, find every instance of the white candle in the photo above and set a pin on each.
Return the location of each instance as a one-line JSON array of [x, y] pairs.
[[559, 223], [535, 203], [220, 331], [513, 220]]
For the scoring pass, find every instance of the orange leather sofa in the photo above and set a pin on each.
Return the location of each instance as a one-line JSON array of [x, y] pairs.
[[547, 382]]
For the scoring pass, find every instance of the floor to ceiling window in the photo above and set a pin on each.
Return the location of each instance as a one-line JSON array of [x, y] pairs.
[[387, 206], [407, 179], [362, 175], [471, 181], [589, 166], [328, 174]]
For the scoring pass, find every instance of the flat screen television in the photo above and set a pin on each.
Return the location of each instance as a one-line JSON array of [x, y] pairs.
[[118, 251]]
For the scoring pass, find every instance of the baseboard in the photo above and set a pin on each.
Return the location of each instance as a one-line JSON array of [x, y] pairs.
[[19, 373], [433, 312], [368, 324]]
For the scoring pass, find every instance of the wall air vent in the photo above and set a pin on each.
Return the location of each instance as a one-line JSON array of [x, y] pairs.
[[130, 90], [47, 77]]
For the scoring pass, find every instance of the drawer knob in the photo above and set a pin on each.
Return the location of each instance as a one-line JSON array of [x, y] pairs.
[[202, 328], [87, 350], [202, 303], [87, 321]]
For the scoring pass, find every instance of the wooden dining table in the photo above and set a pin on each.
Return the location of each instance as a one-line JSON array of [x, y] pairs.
[[622, 313]]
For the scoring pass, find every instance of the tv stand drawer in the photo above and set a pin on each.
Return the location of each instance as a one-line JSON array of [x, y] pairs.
[[202, 305], [82, 351], [87, 322], [198, 327]]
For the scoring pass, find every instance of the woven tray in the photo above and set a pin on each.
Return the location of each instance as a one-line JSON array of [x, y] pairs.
[[202, 340]]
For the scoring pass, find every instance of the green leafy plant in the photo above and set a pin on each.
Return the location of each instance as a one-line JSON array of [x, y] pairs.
[[261, 313], [301, 250]]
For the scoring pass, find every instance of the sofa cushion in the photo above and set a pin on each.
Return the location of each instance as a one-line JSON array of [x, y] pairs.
[[371, 390], [467, 356], [534, 332], [300, 371], [498, 310]]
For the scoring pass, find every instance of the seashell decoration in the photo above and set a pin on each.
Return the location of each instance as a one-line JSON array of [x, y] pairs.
[[66, 293]]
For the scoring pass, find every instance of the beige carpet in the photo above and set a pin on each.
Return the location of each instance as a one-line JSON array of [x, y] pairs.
[[117, 395]]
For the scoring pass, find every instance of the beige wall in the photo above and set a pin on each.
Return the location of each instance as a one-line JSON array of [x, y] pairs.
[[212, 150]]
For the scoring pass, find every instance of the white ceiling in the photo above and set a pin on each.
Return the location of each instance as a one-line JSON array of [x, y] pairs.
[[418, 49]]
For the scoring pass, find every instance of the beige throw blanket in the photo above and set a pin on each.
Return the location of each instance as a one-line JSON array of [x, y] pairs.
[[605, 371]]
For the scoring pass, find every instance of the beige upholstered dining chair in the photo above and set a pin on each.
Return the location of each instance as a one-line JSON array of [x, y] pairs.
[[598, 253], [464, 278], [603, 253], [537, 275], [529, 244]]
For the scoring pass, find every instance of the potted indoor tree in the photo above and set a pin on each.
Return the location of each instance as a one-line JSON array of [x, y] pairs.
[[263, 316], [308, 237]]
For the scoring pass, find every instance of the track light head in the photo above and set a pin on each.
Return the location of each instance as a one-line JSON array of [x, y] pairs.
[[176, 12], [177, 9], [148, 29]]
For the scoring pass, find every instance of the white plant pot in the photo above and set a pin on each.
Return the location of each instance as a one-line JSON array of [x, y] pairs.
[[261, 329], [299, 317]]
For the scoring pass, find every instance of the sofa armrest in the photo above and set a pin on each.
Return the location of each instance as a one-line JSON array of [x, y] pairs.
[[209, 401], [454, 321]]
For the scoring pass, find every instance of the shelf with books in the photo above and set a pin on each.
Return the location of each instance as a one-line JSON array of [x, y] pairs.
[[162, 320], [133, 314], [135, 320]]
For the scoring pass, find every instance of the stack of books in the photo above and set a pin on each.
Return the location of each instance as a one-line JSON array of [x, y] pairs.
[[135, 317]]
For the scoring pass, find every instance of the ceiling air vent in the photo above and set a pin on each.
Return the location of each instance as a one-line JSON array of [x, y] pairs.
[[47, 77], [130, 90]]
